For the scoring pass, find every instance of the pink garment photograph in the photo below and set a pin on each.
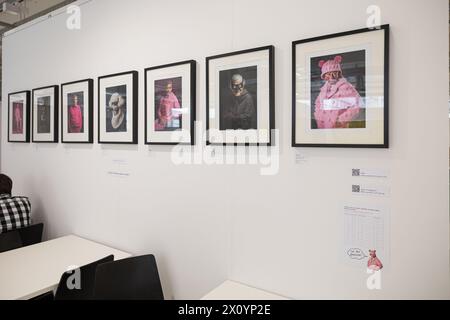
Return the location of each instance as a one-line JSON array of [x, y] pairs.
[[168, 104], [17, 118], [338, 90], [75, 112]]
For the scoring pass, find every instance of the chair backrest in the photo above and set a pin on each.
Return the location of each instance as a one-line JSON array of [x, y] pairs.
[[31, 235], [134, 278], [49, 296], [10, 241], [86, 282]]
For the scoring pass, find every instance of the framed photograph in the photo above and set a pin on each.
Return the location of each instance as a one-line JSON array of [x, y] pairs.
[[19, 117], [77, 111], [118, 108], [170, 104], [45, 114], [240, 98], [341, 90]]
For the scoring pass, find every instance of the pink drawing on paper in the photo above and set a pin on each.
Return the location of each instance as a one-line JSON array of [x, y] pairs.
[[374, 262]]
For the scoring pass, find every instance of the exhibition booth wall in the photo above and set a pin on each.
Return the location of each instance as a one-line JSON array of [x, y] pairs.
[[279, 224]]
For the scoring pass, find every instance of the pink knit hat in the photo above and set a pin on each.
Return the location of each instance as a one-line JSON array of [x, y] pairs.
[[330, 65]]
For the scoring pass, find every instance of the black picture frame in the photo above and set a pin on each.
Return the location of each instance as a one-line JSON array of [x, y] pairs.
[[27, 111], [385, 144], [193, 101], [135, 107], [90, 123], [271, 50], [55, 116]]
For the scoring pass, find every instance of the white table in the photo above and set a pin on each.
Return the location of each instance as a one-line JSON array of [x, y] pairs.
[[28, 272], [231, 290]]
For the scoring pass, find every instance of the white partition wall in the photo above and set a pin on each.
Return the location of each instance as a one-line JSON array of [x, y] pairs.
[[206, 223]]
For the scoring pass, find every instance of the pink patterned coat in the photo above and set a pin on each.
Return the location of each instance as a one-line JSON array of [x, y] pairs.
[[337, 105]]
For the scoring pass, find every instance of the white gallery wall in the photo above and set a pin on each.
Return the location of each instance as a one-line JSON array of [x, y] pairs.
[[207, 223]]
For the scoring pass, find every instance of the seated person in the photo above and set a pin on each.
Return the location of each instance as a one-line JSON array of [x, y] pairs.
[[14, 211]]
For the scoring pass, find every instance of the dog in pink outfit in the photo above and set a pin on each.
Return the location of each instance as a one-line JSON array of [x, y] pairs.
[[338, 103]]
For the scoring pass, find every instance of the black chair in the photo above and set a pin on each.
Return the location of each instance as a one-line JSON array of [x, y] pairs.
[[31, 235], [134, 278], [44, 297], [87, 276], [10, 241]]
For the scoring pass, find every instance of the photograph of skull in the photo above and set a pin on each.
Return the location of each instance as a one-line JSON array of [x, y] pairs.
[[238, 99], [43, 115], [116, 109]]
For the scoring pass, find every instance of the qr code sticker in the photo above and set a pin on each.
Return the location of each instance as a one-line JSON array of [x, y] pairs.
[[356, 188], [356, 172]]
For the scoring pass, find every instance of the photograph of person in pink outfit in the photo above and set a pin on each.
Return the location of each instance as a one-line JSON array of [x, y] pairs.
[[75, 112], [168, 99], [374, 263], [338, 91], [18, 118]]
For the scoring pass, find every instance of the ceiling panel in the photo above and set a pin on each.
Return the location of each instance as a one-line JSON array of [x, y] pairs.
[[30, 8]]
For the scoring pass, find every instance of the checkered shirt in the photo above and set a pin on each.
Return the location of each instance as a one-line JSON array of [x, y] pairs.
[[14, 212]]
